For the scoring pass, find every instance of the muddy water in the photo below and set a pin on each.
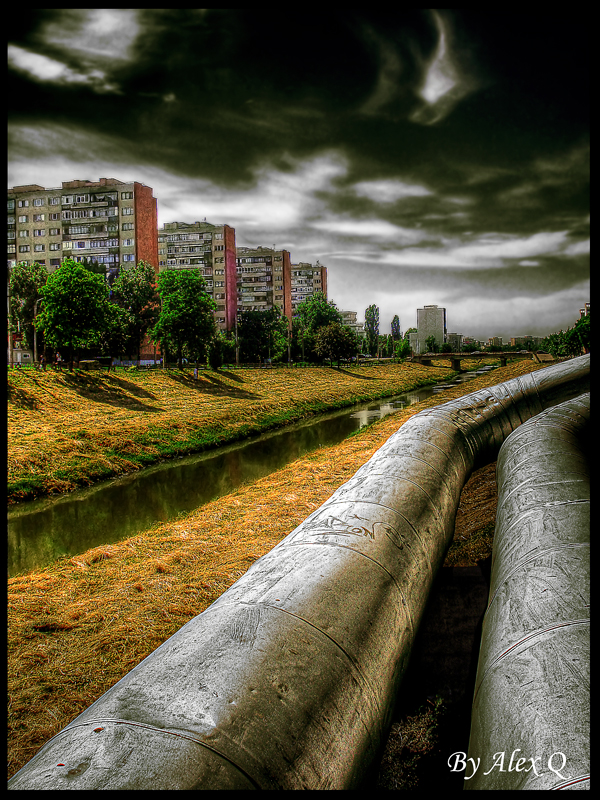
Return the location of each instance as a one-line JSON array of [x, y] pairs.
[[40, 531]]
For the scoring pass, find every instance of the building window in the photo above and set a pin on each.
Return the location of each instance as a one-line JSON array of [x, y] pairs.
[[23, 234], [82, 198], [218, 235], [39, 232], [39, 248], [67, 199], [54, 201], [127, 211], [127, 242], [39, 217], [55, 246], [10, 205], [24, 248], [126, 195], [23, 203], [127, 226], [80, 245], [54, 231], [54, 216], [129, 257], [38, 201]]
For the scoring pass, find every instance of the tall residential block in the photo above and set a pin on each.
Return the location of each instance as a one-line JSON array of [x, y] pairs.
[[431, 321], [455, 341], [306, 280], [263, 280], [349, 318], [109, 221], [211, 249]]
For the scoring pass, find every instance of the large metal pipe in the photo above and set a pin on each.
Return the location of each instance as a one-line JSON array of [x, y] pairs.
[[289, 679], [532, 692]]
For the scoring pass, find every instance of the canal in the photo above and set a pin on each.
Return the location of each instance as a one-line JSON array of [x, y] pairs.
[[41, 531]]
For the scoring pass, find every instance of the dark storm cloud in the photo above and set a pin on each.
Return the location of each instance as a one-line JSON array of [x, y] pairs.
[[443, 148]]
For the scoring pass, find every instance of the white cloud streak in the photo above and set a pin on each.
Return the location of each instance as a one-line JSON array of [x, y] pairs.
[[389, 191], [47, 70]]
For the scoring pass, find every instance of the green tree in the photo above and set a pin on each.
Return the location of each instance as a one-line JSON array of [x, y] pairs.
[[262, 334], [396, 328], [93, 266], [316, 312], [114, 339], [75, 311], [372, 329], [431, 344], [572, 342], [26, 283], [335, 341], [313, 313], [407, 333], [402, 349], [446, 348], [135, 290], [186, 324]]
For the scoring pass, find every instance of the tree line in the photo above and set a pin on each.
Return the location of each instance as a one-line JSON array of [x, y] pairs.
[[77, 312]]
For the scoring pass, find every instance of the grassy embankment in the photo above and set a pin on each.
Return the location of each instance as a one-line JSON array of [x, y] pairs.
[[73, 429], [76, 627]]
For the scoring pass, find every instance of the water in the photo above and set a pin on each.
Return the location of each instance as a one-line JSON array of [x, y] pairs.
[[40, 531]]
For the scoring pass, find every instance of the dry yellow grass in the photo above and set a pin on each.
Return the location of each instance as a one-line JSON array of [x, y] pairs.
[[72, 429], [76, 627]]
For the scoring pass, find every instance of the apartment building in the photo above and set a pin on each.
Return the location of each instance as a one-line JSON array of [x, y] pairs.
[[526, 341], [263, 280], [306, 280], [109, 221], [455, 340], [431, 321], [349, 319], [211, 249]]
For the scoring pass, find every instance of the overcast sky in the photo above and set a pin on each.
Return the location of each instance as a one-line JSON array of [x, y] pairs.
[[423, 156]]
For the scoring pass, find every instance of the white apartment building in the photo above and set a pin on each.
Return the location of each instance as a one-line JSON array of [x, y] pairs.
[[431, 321]]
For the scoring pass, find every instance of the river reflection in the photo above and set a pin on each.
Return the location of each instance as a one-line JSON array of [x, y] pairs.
[[40, 531]]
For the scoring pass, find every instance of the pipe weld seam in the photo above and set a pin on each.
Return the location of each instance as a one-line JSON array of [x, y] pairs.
[[350, 658], [532, 635], [536, 554], [571, 782], [535, 483], [540, 508], [189, 736], [379, 564]]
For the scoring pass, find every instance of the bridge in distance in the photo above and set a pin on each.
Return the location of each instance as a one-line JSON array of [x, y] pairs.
[[426, 359]]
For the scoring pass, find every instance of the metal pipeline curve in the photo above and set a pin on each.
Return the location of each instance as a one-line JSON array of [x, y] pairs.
[[289, 679], [532, 693]]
